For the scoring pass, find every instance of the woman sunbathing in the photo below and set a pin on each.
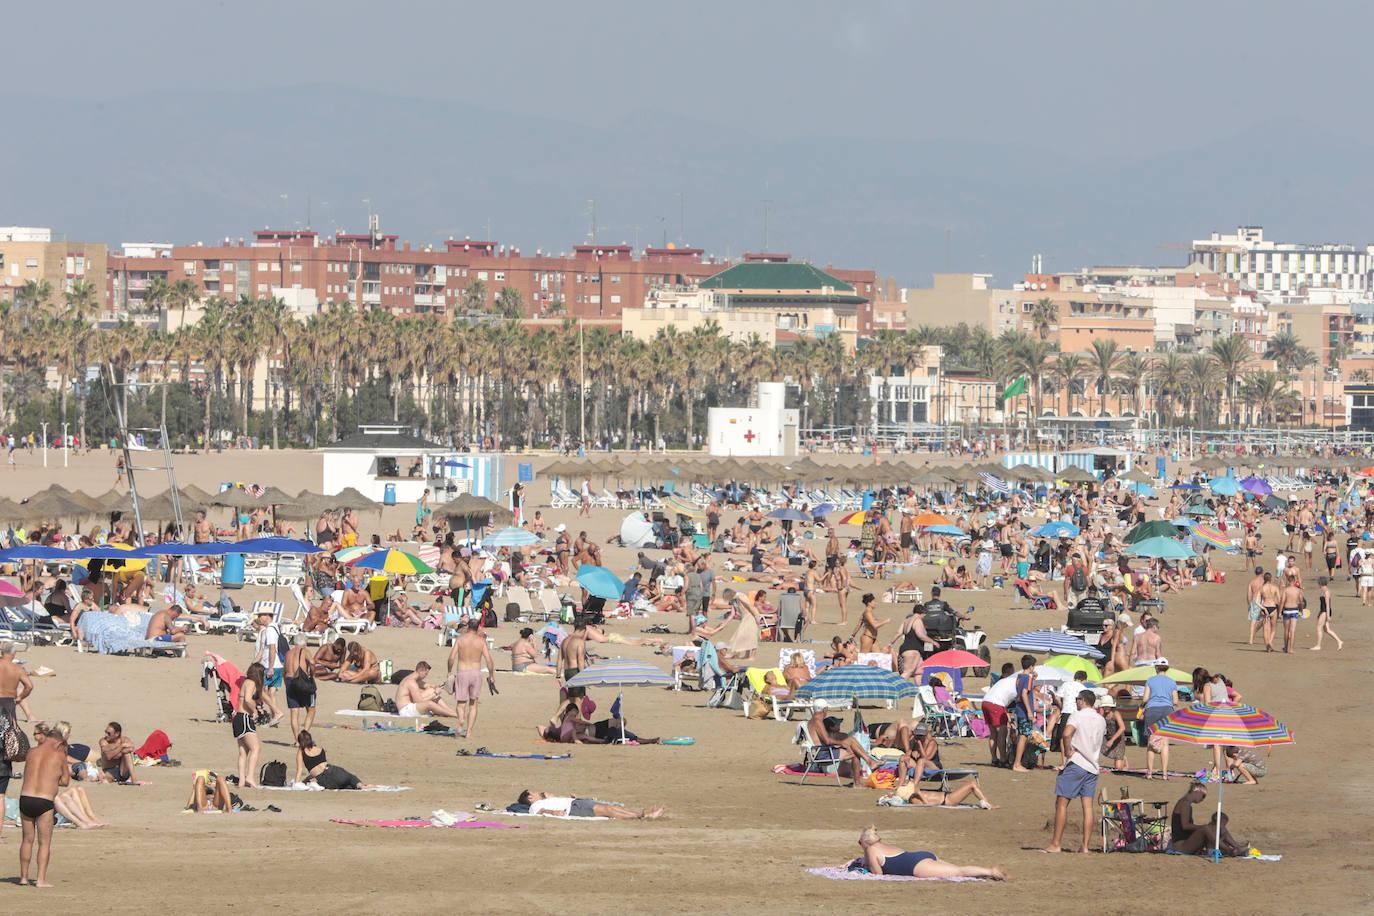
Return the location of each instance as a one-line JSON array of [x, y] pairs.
[[885, 859], [209, 793], [523, 654], [310, 761], [937, 799]]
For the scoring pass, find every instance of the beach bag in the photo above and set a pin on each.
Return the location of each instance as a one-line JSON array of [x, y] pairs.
[[273, 774], [759, 708], [283, 645], [14, 744], [370, 700], [302, 683]]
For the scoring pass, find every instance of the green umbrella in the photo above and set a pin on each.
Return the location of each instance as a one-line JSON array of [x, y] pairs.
[[1156, 529]]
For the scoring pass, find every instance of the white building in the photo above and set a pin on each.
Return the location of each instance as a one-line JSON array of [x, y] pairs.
[[1268, 266], [389, 465], [770, 429]]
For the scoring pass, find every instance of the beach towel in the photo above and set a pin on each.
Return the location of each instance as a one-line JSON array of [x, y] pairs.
[[415, 822], [365, 714], [314, 787], [1208, 854], [1173, 774], [393, 729], [157, 745], [520, 756], [841, 873], [558, 817]]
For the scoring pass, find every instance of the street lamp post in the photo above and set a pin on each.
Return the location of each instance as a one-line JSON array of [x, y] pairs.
[[45, 443]]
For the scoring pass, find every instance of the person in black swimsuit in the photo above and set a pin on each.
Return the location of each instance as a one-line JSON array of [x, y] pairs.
[[311, 763], [881, 858]]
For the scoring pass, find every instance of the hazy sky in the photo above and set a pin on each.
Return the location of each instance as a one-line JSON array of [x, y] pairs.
[[1100, 83]]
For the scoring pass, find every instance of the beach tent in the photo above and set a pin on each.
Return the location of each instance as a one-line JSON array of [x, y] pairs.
[[636, 531]]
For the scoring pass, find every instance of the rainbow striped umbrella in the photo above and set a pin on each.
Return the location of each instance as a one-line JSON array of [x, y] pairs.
[[1210, 535], [1223, 725], [682, 506], [853, 518], [393, 561]]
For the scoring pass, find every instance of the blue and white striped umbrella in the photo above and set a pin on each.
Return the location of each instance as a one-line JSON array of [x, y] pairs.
[[858, 682], [510, 537], [995, 483], [621, 673], [1051, 641]]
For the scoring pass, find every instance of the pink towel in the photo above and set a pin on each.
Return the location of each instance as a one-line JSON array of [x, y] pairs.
[[840, 873], [402, 822]]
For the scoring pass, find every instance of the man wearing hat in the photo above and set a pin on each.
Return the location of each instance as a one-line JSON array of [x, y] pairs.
[[269, 656], [1161, 698]]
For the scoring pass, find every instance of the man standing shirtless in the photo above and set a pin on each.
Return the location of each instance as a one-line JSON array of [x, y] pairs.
[[415, 698], [1254, 609], [45, 772], [572, 658], [465, 663], [15, 687]]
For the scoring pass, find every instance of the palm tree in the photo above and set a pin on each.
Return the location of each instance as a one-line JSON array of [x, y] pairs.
[[1231, 354], [1263, 392], [1044, 317], [35, 295], [1132, 371], [1105, 359], [1070, 369], [1032, 358], [509, 303], [1169, 374], [1283, 349], [81, 304], [158, 295], [475, 297], [182, 294], [1202, 378]]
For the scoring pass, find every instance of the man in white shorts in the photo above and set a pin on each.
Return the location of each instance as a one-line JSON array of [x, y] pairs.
[[415, 698]]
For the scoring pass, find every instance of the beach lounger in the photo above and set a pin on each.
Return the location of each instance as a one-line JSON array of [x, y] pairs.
[[454, 618], [816, 758], [302, 610]]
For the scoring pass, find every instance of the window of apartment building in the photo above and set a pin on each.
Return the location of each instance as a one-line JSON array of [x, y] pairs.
[[31, 263], [228, 266], [615, 278], [262, 287], [499, 276], [296, 265], [263, 265], [188, 268], [481, 275], [615, 299]]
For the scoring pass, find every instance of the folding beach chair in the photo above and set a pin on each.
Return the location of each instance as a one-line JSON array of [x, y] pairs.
[[817, 758], [791, 621]]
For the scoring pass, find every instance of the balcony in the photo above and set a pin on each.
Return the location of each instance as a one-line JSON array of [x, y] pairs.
[[211, 273]]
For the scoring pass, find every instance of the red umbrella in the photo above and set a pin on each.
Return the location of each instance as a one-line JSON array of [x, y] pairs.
[[954, 658]]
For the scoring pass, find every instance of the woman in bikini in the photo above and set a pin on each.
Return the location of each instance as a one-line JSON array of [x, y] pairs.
[[885, 859], [523, 654], [242, 724], [869, 624], [312, 763]]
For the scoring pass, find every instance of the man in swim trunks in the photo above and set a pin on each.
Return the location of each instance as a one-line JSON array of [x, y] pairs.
[[45, 772], [572, 657], [1293, 604], [415, 698], [116, 755], [329, 660], [160, 626], [465, 664]]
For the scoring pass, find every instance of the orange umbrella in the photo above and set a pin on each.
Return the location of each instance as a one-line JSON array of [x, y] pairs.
[[926, 519], [1367, 472]]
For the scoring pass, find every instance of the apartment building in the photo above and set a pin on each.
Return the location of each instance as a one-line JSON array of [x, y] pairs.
[[30, 254], [1268, 266], [311, 271]]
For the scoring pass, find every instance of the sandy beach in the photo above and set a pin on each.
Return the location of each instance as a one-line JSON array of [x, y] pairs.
[[736, 835]]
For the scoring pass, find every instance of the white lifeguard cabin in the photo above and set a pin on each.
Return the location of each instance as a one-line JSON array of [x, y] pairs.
[[770, 429], [389, 464]]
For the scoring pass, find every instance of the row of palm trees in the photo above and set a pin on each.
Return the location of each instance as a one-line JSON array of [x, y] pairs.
[[494, 377]]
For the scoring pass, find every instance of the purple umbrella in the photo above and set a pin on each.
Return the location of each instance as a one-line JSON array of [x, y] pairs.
[[1257, 486]]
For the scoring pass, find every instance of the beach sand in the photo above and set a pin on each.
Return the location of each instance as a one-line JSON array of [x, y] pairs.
[[736, 835]]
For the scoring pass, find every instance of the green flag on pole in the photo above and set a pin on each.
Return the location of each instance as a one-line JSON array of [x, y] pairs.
[[1015, 388]]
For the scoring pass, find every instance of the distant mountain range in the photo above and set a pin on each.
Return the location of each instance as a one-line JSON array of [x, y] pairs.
[[186, 167]]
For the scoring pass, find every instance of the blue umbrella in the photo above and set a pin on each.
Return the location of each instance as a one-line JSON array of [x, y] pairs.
[[1185, 486], [1051, 641], [455, 463], [510, 537], [1139, 486], [621, 673], [857, 682], [788, 514], [33, 552], [1054, 530], [822, 511], [1224, 486], [275, 545], [102, 553], [946, 530], [1161, 548], [600, 582], [178, 549]]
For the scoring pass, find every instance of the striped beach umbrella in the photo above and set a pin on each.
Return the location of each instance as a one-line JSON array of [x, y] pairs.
[[620, 673], [510, 537], [681, 506], [1222, 725], [853, 518], [393, 561], [1210, 535], [347, 555], [857, 682], [1048, 641]]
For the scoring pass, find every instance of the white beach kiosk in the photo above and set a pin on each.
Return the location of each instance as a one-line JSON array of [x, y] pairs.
[[770, 429], [390, 465]]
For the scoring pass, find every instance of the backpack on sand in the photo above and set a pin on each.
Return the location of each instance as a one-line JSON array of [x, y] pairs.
[[273, 774], [370, 700]]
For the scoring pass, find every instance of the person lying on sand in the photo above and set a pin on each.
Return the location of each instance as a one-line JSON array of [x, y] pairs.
[[572, 806], [885, 859]]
